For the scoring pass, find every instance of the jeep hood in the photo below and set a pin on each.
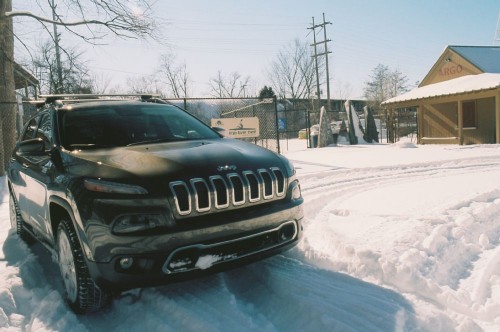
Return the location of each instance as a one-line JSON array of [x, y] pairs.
[[173, 160]]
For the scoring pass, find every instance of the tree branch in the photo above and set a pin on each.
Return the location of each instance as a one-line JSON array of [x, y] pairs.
[[46, 20], [126, 22]]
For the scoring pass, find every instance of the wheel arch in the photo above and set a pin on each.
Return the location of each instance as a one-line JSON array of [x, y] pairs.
[[59, 209]]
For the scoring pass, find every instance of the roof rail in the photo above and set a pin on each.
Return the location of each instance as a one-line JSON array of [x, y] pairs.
[[74, 98]]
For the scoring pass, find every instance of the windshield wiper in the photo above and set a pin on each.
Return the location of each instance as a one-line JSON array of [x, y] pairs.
[[152, 141], [88, 146]]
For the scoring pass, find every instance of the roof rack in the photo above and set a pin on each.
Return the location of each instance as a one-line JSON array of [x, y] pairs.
[[75, 98]]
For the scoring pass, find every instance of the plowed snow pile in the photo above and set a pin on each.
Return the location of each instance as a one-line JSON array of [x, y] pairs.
[[396, 238]]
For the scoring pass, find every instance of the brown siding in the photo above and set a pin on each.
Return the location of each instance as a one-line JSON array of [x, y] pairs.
[[440, 120], [485, 130]]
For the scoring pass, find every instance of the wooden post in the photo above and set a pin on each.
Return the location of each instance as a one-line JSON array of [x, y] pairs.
[[420, 123], [460, 123]]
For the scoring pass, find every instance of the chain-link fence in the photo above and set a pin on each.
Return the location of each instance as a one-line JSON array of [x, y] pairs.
[[207, 109], [284, 125], [406, 124], [293, 127]]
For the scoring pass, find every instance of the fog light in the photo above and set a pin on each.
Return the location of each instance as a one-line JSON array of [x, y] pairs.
[[287, 232], [126, 263]]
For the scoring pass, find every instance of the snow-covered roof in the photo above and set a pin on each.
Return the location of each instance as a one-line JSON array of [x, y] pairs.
[[486, 58], [22, 77], [464, 84]]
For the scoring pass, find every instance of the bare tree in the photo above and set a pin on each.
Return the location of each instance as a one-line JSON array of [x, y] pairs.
[[99, 83], [175, 76], [68, 75], [292, 73], [112, 16], [230, 86], [384, 84], [398, 83], [144, 84]]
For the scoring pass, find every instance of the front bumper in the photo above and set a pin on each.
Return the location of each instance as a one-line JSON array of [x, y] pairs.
[[155, 259]]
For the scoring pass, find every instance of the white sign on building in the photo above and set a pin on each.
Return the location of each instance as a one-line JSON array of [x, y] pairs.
[[238, 127]]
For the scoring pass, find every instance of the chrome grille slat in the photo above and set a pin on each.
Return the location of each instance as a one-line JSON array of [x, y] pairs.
[[232, 190], [253, 186], [280, 181], [201, 195], [267, 184], [221, 192], [182, 197], [237, 189]]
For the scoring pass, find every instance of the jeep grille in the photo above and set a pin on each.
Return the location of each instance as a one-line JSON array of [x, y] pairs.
[[232, 190]]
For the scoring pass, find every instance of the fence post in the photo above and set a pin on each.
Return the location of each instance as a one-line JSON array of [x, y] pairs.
[[308, 128], [276, 123]]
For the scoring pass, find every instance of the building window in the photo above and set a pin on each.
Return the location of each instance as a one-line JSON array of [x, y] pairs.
[[469, 114]]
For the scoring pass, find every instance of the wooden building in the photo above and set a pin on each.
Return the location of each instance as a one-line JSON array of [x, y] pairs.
[[458, 101]]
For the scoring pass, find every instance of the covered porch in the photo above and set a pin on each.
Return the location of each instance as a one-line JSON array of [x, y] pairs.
[[465, 110]]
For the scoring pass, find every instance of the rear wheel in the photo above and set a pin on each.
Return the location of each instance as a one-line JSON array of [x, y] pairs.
[[82, 294], [17, 222]]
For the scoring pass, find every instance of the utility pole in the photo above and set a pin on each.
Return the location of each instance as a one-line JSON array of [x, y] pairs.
[[59, 87], [243, 88], [315, 45], [325, 53], [323, 137]]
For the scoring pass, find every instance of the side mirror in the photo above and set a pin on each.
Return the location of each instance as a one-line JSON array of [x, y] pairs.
[[220, 130], [33, 147]]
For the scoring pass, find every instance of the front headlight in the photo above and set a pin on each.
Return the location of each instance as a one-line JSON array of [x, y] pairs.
[[130, 223], [296, 192], [113, 187]]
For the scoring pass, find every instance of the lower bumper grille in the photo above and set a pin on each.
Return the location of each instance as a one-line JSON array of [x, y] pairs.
[[202, 256]]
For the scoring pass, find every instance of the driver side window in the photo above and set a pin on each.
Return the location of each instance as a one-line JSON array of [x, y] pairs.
[[39, 127], [45, 130], [30, 130]]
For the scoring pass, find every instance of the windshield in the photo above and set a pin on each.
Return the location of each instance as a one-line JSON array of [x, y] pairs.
[[122, 125]]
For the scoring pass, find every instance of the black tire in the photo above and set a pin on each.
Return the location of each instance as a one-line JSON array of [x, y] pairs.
[[82, 294], [17, 222]]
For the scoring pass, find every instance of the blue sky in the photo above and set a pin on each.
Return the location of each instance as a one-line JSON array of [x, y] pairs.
[[245, 36]]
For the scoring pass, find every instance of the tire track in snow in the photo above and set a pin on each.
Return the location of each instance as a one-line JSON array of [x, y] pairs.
[[326, 190], [334, 186]]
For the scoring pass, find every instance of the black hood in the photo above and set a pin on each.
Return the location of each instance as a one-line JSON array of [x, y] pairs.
[[171, 161]]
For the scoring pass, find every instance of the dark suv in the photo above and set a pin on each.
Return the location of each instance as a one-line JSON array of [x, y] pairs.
[[140, 193]]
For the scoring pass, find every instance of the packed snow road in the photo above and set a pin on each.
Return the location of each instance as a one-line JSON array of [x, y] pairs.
[[394, 240]]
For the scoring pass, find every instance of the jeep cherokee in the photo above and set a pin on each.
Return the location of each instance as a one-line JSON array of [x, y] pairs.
[[136, 193]]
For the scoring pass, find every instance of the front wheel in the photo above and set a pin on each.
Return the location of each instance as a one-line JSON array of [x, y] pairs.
[[82, 294]]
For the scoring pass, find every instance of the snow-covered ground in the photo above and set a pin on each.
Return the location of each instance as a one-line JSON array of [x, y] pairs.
[[396, 238]]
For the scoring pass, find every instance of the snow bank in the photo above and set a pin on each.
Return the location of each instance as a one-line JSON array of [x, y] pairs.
[[396, 238]]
